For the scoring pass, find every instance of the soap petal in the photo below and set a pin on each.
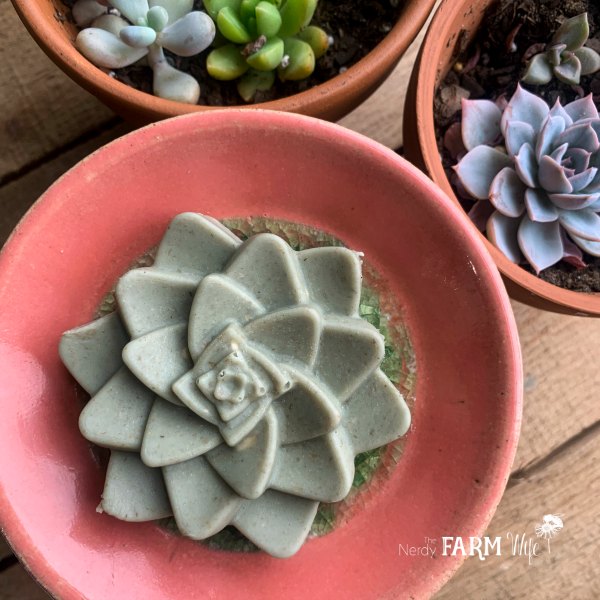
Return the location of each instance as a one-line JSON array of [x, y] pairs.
[[277, 523], [174, 434], [218, 301], [290, 333], [238, 428], [247, 467], [92, 352], [223, 344], [306, 411], [116, 416], [268, 268], [202, 502], [159, 359], [187, 391], [375, 414], [321, 469], [350, 350], [150, 299], [133, 491], [333, 278], [195, 244]]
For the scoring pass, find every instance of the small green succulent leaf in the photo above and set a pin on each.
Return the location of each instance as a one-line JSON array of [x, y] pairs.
[[157, 18], [300, 61], [231, 26], [539, 70], [138, 37], [254, 81], [247, 9], [104, 49], [316, 38], [175, 8], [295, 15], [573, 32], [268, 19], [134, 10], [268, 57], [589, 59], [569, 71], [213, 7], [226, 63]]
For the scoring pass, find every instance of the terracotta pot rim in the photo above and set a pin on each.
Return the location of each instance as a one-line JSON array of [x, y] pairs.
[[360, 76], [424, 81]]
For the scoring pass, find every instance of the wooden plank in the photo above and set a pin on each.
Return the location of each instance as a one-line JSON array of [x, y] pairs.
[[42, 109], [562, 379], [17, 584], [568, 485], [17, 196]]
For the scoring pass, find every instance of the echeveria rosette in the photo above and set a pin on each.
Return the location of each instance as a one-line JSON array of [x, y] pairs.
[[144, 28], [535, 171], [565, 57], [235, 385]]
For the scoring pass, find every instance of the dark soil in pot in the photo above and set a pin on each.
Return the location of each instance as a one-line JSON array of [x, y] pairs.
[[491, 66], [356, 28]]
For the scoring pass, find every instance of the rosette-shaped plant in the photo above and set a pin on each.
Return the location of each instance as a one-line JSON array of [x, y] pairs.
[[112, 42], [262, 36], [565, 57], [535, 171], [235, 385]]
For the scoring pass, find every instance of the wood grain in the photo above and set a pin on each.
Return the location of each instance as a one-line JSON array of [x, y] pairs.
[[42, 109], [569, 485]]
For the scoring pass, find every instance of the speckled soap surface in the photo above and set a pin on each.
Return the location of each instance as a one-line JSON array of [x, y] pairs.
[[235, 385]]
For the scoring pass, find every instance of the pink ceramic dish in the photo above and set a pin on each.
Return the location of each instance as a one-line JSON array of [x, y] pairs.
[[88, 228]]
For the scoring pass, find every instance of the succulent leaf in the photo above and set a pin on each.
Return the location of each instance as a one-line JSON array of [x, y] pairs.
[[231, 26], [478, 169], [110, 23], [301, 60], [540, 243], [581, 180], [105, 49], [157, 18], [226, 63], [583, 108], [539, 70], [189, 35], [507, 193], [137, 36], [85, 11], [546, 140], [526, 165], [517, 135], [481, 123], [527, 107], [268, 57], [573, 201], [589, 59], [502, 232], [582, 223], [295, 15], [254, 81], [268, 19], [552, 177], [175, 8], [213, 7], [573, 32], [316, 38], [569, 71], [134, 10], [539, 207], [170, 83]]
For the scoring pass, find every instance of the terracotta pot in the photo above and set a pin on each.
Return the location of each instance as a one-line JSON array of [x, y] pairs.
[[458, 20], [85, 232], [330, 100]]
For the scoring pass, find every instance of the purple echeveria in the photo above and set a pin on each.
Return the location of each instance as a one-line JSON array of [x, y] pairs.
[[539, 167]]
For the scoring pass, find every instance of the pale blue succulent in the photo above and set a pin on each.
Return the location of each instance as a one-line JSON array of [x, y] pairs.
[[143, 28], [535, 171], [565, 57]]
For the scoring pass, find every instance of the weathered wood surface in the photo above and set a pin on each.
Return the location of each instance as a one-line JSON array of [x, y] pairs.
[[47, 124]]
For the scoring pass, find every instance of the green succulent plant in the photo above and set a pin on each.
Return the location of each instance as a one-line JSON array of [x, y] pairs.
[[258, 37], [565, 57]]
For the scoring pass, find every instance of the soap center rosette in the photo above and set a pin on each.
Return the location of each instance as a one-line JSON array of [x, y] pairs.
[[235, 385]]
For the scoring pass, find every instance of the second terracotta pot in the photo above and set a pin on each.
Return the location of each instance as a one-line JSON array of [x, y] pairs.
[[454, 24], [330, 100]]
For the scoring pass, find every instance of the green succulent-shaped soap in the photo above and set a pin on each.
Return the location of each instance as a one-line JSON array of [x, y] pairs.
[[259, 37], [235, 385]]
